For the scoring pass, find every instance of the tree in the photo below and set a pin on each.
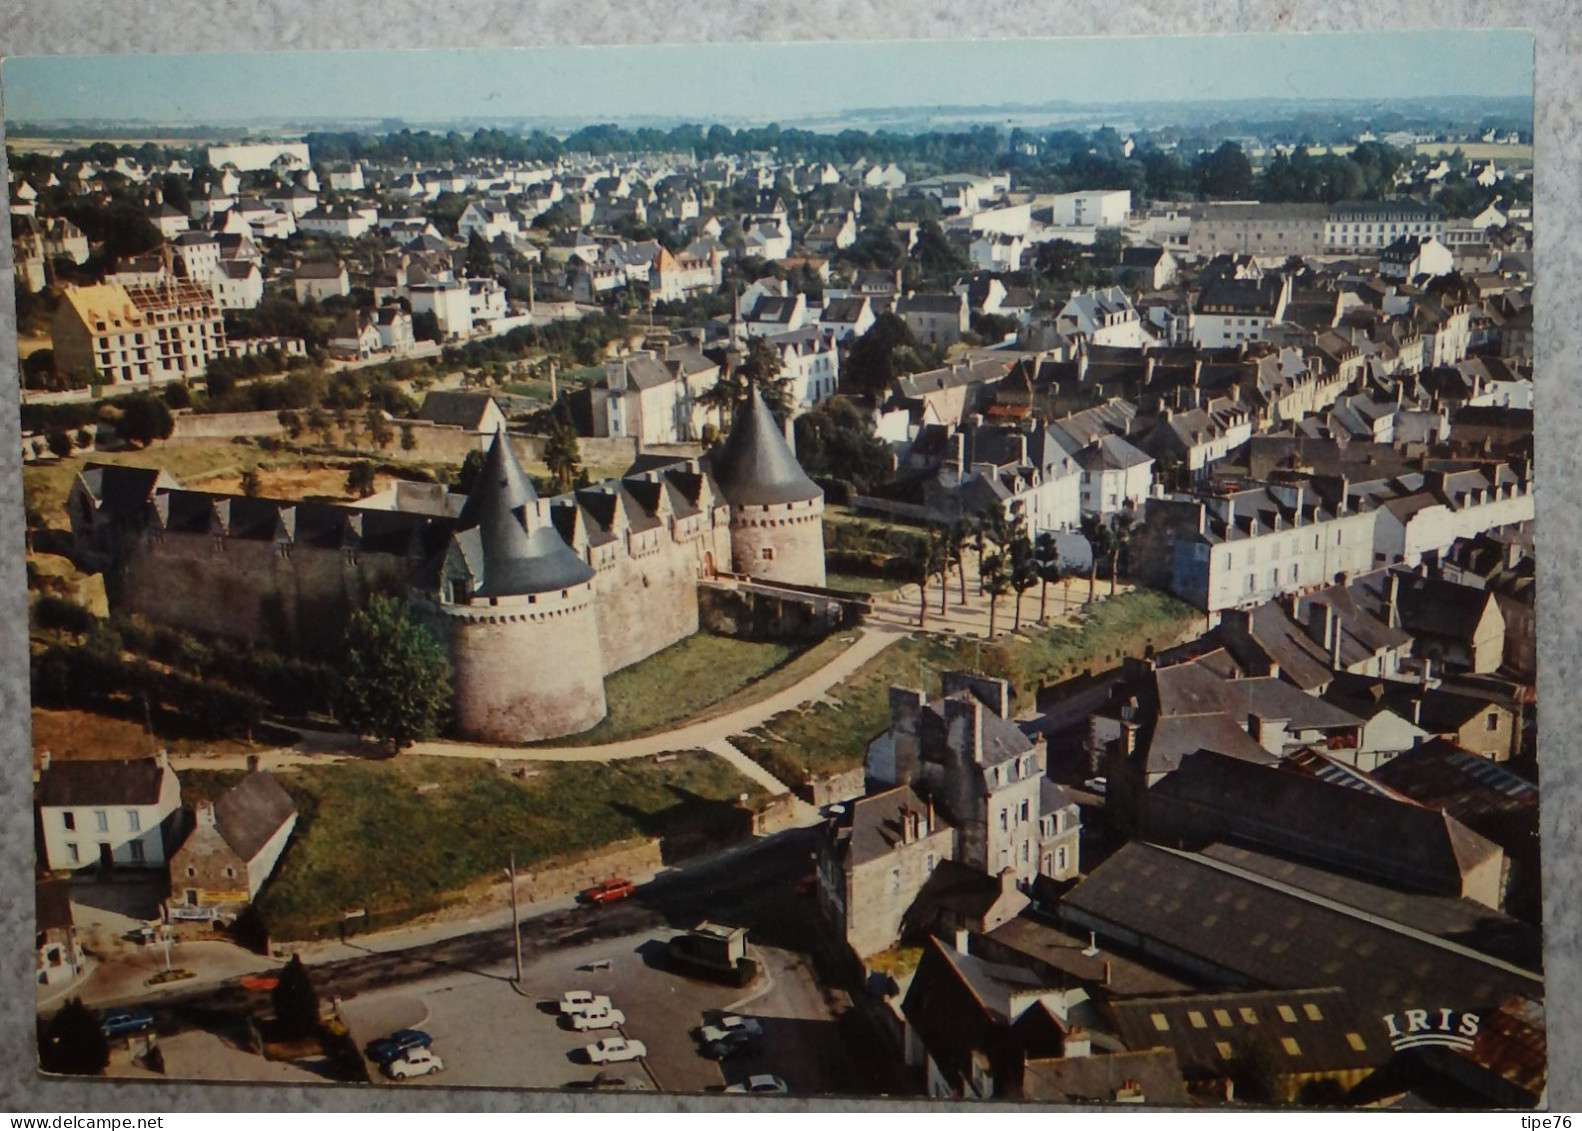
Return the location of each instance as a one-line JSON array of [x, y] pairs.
[[250, 484], [177, 395], [296, 1001], [760, 369], [879, 355], [922, 557], [1225, 174], [1097, 532], [996, 583], [957, 535], [408, 438], [145, 419], [59, 444], [467, 473], [562, 455], [835, 441], [1024, 572], [396, 679], [1120, 535], [72, 1043], [480, 263], [379, 430], [1046, 559], [360, 479]]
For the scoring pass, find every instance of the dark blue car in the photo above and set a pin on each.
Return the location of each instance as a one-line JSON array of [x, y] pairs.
[[125, 1022], [397, 1044]]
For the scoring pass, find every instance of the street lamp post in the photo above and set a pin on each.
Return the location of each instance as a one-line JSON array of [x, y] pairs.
[[516, 922]]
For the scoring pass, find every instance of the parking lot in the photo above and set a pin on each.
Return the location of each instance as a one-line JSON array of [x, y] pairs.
[[490, 1035]]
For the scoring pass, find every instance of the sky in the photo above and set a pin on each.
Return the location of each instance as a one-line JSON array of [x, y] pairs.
[[761, 81]]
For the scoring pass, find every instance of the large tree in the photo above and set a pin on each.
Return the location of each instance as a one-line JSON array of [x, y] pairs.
[[834, 440], [296, 1001], [396, 679], [144, 419], [72, 1042], [561, 454]]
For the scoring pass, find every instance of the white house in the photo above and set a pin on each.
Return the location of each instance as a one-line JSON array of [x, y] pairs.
[[108, 814], [450, 303], [1116, 476], [1096, 208], [319, 281], [339, 220], [395, 329], [1411, 256], [238, 285], [1105, 318], [293, 199], [347, 178]]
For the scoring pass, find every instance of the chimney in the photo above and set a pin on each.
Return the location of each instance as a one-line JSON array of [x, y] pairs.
[[1148, 371], [163, 757], [1334, 647], [44, 761], [1392, 600], [1417, 710], [615, 375], [204, 811], [252, 763], [1109, 971], [1321, 624], [961, 451], [1077, 1043]]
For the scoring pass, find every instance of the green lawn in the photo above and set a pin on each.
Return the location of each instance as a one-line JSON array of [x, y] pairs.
[[406, 836], [825, 739], [860, 583], [698, 678]]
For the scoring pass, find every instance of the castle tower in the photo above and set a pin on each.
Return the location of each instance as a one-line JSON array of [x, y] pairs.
[[777, 512], [516, 606]]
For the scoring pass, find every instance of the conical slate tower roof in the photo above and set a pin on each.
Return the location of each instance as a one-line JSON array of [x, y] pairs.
[[756, 467], [504, 558]]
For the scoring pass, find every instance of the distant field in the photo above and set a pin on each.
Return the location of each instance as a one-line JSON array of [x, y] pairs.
[[1478, 150]]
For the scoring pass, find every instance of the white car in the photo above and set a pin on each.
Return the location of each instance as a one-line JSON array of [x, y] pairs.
[[603, 1019], [417, 1062], [583, 1001], [612, 1049], [760, 1084]]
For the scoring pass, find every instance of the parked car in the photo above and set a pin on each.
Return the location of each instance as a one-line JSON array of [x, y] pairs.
[[609, 891], [416, 1062], [582, 1001], [125, 1022], [728, 1034], [613, 1049], [393, 1047], [600, 1019], [760, 1084]]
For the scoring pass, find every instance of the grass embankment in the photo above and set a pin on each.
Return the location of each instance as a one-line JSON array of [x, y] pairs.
[[407, 836], [827, 738], [699, 678]]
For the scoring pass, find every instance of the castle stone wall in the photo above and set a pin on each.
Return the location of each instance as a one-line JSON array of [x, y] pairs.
[[648, 596], [525, 670], [249, 590], [793, 533]]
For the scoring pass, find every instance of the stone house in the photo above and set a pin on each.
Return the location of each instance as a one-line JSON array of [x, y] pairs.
[[234, 845]]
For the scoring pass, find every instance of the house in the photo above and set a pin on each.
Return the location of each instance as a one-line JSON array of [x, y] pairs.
[[340, 221], [355, 336], [170, 221], [121, 814], [57, 957], [1409, 257], [143, 333], [1242, 548], [1098, 208], [395, 329], [873, 860], [1456, 625], [655, 396], [849, 317], [1115, 476], [321, 280], [233, 847], [238, 285], [1103, 318], [974, 1026], [1361, 225], [937, 320], [293, 199], [1146, 267], [451, 303], [478, 414], [1233, 312]]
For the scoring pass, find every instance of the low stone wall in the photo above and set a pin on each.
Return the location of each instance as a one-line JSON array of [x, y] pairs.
[[640, 858], [754, 612], [829, 789], [778, 814], [225, 425]]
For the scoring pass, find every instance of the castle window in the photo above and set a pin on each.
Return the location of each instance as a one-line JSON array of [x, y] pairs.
[[230, 873], [191, 872], [769, 553]]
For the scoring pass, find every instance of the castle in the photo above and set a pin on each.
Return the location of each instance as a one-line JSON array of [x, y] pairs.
[[536, 600]]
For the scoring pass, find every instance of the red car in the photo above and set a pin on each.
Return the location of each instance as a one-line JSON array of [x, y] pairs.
[[609, 891]]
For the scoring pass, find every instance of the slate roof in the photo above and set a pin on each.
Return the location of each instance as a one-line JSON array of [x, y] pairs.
[[756, 467], [1259, 932], [251, 812], [135, 782], [1155, 1074], [1214, 797], [503, 558], [876, 822], [1306, 1030]]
